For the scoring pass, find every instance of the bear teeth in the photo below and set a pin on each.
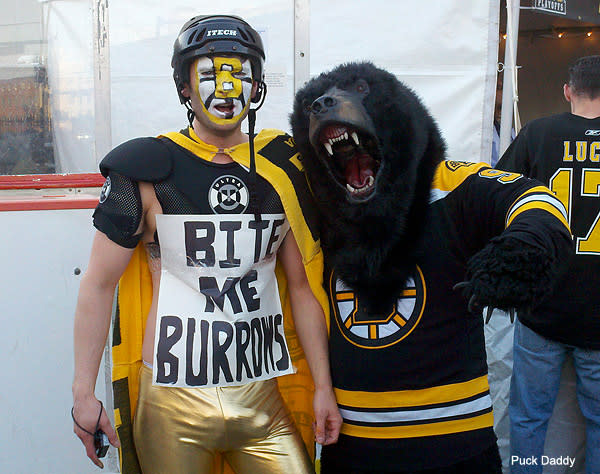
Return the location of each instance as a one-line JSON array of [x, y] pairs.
[[368, 185], [328, 144], [342, 137]]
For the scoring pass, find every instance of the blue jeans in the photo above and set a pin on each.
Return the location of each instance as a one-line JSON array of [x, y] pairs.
[[537, 365]]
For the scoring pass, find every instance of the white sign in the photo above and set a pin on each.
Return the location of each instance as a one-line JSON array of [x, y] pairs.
[[219, 317]]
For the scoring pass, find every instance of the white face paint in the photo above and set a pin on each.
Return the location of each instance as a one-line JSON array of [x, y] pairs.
[[224, 87]]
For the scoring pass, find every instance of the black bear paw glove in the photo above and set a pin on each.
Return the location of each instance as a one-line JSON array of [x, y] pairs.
[[475, 306], [508, 274]]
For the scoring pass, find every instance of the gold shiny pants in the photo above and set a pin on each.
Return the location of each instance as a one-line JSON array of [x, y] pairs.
[[179, 430]]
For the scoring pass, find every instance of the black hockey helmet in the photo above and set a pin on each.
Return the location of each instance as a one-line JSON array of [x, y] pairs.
[[207, 35]]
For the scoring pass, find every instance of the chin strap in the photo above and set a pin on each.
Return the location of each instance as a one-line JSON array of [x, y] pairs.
[[254, 203], [262, 90], [190, 113]]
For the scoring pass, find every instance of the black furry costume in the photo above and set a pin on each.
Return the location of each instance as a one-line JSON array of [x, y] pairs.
[[400, 228]]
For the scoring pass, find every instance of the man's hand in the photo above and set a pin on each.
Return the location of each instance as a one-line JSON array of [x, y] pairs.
[[90, 417], [328, 420]]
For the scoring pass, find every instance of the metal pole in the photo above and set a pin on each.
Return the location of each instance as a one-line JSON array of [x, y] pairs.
[[301, 43], [102, 115], [102, 145], [509, 95]]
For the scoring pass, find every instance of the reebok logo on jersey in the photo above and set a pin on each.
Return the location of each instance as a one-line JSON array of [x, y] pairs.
[[593, 133]]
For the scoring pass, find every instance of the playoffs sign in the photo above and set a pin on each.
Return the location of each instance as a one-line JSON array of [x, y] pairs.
[[219, 316]]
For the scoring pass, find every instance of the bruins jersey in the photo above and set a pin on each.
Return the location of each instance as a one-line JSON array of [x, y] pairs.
[[416, 394], [563, 151]]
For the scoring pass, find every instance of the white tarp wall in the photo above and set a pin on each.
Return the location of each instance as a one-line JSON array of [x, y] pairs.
[[42, 253], [445, 50]]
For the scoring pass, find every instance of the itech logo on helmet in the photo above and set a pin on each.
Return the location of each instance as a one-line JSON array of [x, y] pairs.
[[221, 33]]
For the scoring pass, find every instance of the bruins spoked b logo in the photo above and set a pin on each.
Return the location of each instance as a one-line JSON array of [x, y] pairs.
[[454, 165], [228, 195], [371, 331]]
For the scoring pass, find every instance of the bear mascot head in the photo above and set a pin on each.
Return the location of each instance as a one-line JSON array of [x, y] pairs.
[[370, 149]]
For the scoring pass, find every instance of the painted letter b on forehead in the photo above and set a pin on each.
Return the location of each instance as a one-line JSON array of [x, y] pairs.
[[227, 84]]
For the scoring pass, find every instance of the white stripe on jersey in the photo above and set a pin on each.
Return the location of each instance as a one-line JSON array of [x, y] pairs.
[[540, 197], [430, 414]]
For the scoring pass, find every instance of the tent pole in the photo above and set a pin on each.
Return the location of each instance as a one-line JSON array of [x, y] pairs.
[[509, 89], [301, 43], [102, 112]]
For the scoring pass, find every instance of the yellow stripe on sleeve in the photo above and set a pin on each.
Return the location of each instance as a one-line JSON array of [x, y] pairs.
[[541, 198], [542, 206]]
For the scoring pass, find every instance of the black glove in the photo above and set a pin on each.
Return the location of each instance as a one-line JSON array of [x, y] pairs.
[[475, 305]]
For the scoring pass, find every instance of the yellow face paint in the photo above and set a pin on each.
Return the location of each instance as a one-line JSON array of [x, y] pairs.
[[224, 88]]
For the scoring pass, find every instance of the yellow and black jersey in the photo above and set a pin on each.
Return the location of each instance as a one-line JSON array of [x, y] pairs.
[[563, 152], [416, 393]]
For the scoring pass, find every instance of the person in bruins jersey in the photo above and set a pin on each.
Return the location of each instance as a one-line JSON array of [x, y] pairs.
[[562, 151], [415, 247], [225, 221]]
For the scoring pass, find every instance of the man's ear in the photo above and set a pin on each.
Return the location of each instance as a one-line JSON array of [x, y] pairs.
[[185, 91], [254, 89], [567, 92]]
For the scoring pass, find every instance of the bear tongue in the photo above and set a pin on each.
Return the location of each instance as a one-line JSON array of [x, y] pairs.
[[356, 175]]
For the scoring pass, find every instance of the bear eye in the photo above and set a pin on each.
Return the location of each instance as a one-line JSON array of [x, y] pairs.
[[306, 106], [362, 87]]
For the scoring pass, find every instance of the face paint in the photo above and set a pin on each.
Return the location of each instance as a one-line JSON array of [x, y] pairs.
[[224, 87]]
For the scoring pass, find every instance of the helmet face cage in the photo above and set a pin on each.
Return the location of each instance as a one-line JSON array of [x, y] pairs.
[[209, 35]]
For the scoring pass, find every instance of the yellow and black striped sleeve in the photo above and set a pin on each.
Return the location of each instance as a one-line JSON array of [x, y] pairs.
[[538, 218], [485, 203], [538, 198]]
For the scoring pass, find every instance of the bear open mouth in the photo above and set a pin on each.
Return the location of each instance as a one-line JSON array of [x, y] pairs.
[[352, 157]]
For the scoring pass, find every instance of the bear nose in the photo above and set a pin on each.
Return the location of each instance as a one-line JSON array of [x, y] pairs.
[[322, 104]]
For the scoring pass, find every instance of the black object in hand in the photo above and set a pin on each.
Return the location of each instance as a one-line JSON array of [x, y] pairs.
[[101, 443]]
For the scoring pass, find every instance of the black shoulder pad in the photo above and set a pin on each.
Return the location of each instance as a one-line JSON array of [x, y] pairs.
[[140, 159]]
